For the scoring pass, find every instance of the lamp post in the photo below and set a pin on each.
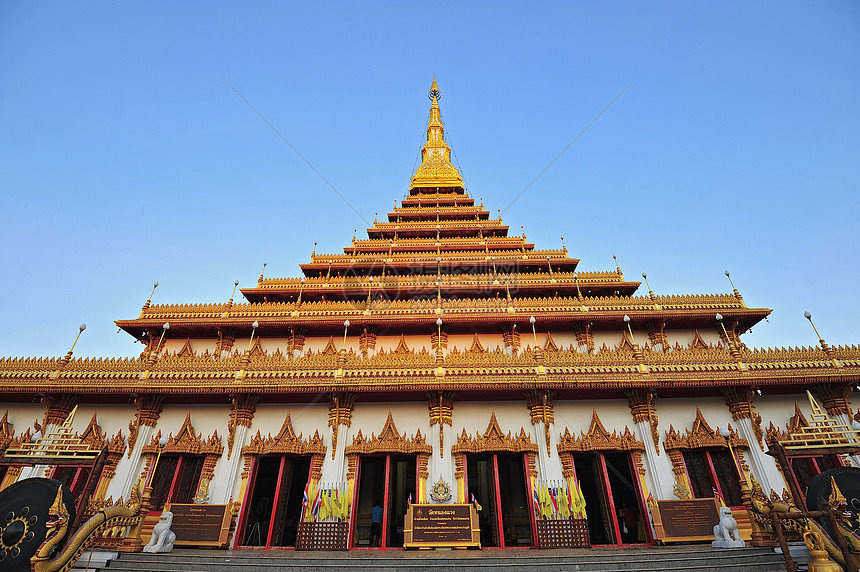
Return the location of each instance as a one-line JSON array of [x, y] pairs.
[[629, 329], [534, 332], [345, 328]]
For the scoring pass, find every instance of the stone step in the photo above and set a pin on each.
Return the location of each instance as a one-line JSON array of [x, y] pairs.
[[646, 559]]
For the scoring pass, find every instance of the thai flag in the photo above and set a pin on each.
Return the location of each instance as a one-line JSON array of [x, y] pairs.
[[719, 496], [552, 495], [409, 499], [536, 499], [305, 498], [316, 508]]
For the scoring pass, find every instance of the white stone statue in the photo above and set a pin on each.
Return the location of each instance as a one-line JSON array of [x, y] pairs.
[[726, 532], [162, 537]]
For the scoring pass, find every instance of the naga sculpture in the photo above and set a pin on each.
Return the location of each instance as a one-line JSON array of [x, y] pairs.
[[814, 535], [50, 557]]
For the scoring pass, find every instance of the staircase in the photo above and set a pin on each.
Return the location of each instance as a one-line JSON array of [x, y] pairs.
[[640, 559]]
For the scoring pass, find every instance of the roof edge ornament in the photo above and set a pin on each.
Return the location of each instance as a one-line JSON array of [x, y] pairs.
[[436, 169]]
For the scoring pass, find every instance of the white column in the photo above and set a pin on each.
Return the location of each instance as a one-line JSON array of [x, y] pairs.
[[226, 482], [444, 466], [548, 464], [128, 469], [333, 470], [658, 468], [761, 465]]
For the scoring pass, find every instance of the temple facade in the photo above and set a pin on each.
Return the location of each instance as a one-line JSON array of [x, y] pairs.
[[441, 359]]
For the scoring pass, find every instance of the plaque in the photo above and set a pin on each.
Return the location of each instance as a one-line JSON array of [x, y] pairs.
[[200, 524], [441, 526], [685, 520]]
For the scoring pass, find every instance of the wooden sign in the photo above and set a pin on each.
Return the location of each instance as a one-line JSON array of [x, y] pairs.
[[685, 520], [200, 524], [441, 526]]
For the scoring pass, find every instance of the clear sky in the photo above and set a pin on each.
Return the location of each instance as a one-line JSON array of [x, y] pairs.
[[126, 158]]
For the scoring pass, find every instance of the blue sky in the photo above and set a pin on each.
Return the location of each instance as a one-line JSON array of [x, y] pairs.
[[126, 158]]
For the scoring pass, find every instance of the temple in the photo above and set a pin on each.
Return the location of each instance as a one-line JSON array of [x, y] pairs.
[[441, 359]]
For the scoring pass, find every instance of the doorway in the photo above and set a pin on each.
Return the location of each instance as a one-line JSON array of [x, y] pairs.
[[389, 482], [275, 507], [613, 497], [498, 483]]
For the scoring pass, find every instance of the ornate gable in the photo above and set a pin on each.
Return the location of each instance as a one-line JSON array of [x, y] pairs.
[[389, 441], [698, 342], [493, 440], [550, 344], [701, 436], [477, 347], [329, 350], [285, 442], [186, 350], [93, 437], [402, 348], [187, 442], [599, 439]]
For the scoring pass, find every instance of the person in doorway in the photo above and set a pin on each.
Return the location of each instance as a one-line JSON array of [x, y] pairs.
[[376, 524], [629, 520]]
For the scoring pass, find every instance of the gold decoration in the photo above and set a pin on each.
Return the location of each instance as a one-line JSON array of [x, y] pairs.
[[834, 398], [739, 400], [242, 409], [822, 432], [388, 441], [541, 409], [599, 439], [339, 413], [493, 440], [148, 412], [441, 406], [641, 403], [701, 436], [436, 169]]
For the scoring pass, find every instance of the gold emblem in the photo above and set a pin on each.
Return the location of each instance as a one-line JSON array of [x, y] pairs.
[[440, 492]]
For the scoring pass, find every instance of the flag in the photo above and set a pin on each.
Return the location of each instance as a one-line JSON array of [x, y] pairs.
[[336, 504], [582, 502], [409, 499], [536, 498], [317, 503], [478, 507], [719, 496], [570, 503], [563, 503], [305, 498], [552, 495], [547, 502]]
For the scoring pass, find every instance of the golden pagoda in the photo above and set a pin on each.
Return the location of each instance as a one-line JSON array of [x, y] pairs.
[[438, 360]]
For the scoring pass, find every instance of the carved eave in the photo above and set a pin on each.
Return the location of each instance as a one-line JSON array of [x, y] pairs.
[[494, 440], [701, 436], [6, 432], [388, 441], [187, 442], [93, 437], [285, 442], [599, 439]]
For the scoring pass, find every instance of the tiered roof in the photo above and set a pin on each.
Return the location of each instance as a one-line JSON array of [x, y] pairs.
[[438, 255]]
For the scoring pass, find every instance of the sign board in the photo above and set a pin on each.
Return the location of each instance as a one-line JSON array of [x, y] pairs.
[[685, 520], [200, 524], [442, 526]]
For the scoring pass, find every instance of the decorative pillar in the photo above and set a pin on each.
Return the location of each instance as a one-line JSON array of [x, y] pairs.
[[242, 409], [140, 433], [340, 410], [657, 334], [367, 343], [584, 336], [440, 405], [296, 342], [644, 412], [460, 475], [739, 401], [226, 339], [511, 338]]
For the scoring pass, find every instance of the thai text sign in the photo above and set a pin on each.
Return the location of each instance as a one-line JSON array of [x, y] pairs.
[[441, 525], [200, 524], [685, 519]]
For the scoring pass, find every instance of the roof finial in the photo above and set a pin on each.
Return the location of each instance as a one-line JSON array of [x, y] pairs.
[[436, 169], [434, 92]]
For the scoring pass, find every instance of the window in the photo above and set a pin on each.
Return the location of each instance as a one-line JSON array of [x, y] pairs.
[[713, 469]]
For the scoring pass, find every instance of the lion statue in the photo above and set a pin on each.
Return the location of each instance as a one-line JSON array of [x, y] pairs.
[[162, 537], [726, 532]]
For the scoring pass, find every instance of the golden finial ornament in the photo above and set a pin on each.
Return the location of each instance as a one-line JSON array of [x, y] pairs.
[[436, 169]]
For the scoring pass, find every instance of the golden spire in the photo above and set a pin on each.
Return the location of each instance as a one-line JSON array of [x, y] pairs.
[[436, 169]]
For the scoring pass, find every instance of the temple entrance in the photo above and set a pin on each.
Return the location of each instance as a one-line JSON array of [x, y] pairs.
[[175, 480], [275, 507], [389, 482], [613, 498], [498, 483], [73, 477]]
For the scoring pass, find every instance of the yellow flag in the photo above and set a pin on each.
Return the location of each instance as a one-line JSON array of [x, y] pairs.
[[562, 501], [581, 500]]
